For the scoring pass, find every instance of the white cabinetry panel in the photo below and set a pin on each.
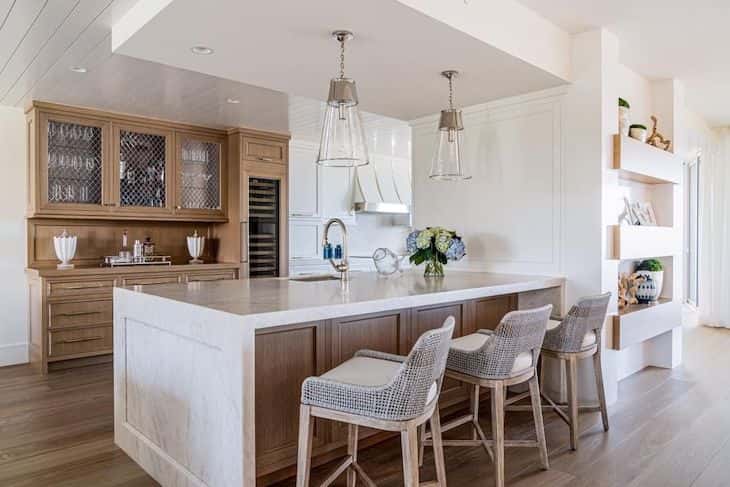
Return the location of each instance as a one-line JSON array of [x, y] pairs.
[[303, 181]]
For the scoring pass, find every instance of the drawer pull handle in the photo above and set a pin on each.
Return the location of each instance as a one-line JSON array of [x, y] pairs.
[[79, 313], [87, 286], [85, 339], [267, 159]]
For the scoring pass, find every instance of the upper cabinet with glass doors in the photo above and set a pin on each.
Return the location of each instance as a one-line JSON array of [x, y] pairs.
[[199, 173], [88, 164]]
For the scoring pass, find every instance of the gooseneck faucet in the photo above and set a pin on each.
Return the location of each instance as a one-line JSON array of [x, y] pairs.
[[343, 266]]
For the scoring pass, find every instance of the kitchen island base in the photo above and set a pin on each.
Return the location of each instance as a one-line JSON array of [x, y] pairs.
[[207, 394]]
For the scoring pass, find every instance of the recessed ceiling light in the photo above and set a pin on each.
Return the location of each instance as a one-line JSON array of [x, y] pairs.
[[233, 101], [202, 50], [78, 69]]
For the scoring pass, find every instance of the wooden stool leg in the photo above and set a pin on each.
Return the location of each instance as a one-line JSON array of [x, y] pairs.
[[539, 427], [498, 433], [475, 411], [438, 448], [572, 376], [352, 433], [304, 459], [598, 370], [409, 445], [422, 444]]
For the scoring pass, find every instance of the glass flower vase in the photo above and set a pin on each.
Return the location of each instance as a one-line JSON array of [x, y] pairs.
[[434, 268]]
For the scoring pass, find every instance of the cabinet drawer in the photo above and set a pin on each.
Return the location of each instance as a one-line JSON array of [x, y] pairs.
[[147, 280], [80, 288], [81, 342], [212, 276], [263, 150], [64, 315]]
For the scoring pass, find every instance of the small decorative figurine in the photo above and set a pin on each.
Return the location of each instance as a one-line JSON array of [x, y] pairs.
[[656, 139], [628, 286], [65, 246]]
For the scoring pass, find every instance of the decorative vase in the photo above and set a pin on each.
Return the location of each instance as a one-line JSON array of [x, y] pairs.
[[624, 120], [638, 134], [434, 268], [651, 289], [196, 244], [65, 247]]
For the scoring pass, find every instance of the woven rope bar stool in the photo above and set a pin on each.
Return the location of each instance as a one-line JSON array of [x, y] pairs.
[[382, 391], [496, 360], [576, 337]]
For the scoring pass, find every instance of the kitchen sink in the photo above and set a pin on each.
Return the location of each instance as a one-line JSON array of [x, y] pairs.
[[314, 278]]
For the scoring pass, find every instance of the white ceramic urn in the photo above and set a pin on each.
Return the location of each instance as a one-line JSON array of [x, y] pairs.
[[65, 247], [196, 244]]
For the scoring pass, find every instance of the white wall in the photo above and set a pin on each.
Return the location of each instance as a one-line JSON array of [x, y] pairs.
[[13, 291], [509, 213]]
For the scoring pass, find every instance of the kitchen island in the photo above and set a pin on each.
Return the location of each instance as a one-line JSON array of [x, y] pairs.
[[207, 375]]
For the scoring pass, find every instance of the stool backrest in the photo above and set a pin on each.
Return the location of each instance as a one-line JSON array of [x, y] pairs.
[[518, 332], [425, 364], [587, 315]]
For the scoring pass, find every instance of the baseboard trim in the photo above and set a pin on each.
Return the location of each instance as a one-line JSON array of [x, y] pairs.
[[13, 354]]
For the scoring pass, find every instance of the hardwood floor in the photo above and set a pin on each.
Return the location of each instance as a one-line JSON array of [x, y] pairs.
[[670, 428]]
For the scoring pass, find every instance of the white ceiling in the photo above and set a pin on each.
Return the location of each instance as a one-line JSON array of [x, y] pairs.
[[396, 56], [40, 40], [662, 39]]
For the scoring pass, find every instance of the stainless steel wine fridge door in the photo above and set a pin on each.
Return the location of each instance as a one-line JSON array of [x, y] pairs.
[[264, 239]]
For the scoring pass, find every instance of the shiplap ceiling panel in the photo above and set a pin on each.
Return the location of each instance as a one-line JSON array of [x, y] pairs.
[[23, 74], [5, 6], [19, 21]]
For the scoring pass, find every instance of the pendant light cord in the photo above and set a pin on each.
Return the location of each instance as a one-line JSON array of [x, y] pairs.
[[451, 93], [342, 57]]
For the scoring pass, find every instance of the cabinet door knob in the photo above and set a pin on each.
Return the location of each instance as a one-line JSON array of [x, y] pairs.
[[178, 207]]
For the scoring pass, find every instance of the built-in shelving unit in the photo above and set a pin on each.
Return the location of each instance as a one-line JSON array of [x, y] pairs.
[[643, 163], [651, 174], [643, 242]]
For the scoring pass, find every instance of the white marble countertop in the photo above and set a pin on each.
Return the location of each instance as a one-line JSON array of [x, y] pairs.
[[275, 302]]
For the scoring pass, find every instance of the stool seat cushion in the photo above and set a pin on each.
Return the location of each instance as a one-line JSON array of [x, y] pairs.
[[475, 341], [369, 372], [589, 339]]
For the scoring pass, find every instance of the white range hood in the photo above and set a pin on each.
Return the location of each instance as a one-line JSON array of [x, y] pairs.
[[383, 186]]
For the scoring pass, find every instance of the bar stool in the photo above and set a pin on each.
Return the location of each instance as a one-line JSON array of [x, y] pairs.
[[382, 391], [576, 337], [498, 359]]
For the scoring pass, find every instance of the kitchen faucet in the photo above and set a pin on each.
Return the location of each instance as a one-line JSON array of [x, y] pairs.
[[343, 266]]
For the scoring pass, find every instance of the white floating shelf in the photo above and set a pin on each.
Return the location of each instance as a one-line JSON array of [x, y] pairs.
[[644, 163], [640, 322], [643, 242]]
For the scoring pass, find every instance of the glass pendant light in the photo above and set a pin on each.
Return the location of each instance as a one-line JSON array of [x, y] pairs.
[[343, 137], [447, 164]]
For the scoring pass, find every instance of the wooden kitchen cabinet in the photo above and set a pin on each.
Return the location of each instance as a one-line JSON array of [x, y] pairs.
[[143, 169], [69, 168], [71, 311], [313, 348], [199, 170], [85, 163], [284, 358]]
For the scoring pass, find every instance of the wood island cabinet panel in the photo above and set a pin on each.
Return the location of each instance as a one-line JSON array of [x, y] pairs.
[[384, 332], [428, 318], [488, 312], [284, 358]]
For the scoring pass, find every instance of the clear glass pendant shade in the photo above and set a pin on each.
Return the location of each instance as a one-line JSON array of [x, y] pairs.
[[447, 164], [343, 136]]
